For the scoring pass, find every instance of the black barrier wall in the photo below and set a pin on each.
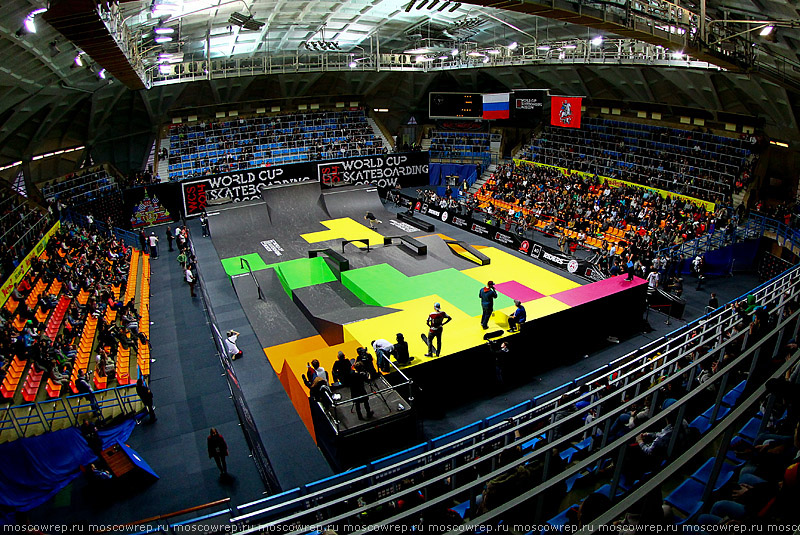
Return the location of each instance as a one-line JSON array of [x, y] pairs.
[[383, 171]]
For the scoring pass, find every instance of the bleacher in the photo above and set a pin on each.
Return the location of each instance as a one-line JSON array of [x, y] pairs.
[[21, 227], [583, 455], [81, 186], [246, 143], [28, 383], [697, 164], [460, 145]]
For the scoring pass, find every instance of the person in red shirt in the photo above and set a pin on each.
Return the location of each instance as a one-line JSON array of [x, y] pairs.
[[436, 320]]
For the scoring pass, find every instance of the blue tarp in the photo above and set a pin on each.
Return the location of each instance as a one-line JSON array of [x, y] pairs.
[[33, 470], [439, 171]]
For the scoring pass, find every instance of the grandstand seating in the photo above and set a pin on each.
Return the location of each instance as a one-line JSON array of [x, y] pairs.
[[264, 140], [691, 163], [21, 227], [460, 145], [454, 468], [81, 186]]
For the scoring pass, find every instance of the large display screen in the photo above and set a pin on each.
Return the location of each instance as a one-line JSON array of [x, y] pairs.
[[455, 105]]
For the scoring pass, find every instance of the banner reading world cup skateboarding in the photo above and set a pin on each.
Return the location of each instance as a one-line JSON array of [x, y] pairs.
[[383, 171]]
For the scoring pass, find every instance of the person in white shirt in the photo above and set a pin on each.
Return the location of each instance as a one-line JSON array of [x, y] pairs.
[[652, 280], [153, 240], [230, 344], [190, 278], [383, 349]]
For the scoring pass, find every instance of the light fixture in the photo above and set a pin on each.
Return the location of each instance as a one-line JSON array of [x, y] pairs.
[[380, 110], [597, 41], [245, 22], [418, 50], [29, 25], [475, 54], [101, 74], [677, 55], [410, 5], [352, 64], [164, 31], [430, 6], [443, 57], [512, 45], [779, 143], [422, 4], [443, 6], [486, 59], [454, 52], [543, 47], [164, 69], [163, 39], [570, 47], [455, 6], [78, 60], [493, 51], [766, 30]]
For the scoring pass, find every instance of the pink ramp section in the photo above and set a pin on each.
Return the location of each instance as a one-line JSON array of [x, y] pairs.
[[515, 290], [597, 290]]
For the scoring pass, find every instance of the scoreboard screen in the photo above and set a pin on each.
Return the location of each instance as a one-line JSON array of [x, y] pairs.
[[455, 105]]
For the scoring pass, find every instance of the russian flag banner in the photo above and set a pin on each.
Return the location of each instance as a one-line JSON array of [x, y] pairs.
[[496, 105]]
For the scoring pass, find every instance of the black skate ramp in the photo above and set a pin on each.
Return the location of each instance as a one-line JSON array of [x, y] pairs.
[[299, 205], [354, 202], [275, 319], [237, 224], [329, 306]]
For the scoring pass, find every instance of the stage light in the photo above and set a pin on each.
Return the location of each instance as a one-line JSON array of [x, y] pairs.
[[164, 69], [475, 54], [677, 55], [443, 57], [766, 30], [163, 39], [543, 47], [164, 31], [78, 60], [570, 47], [101, 74], [513, 45], [352, 64], [454, 52], [485, 59], [493, 51], [29, 24], [597, 41]]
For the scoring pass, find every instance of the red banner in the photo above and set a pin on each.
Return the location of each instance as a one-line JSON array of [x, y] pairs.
[[565, 111]]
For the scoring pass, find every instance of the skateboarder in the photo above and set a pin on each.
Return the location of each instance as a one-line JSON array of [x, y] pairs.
[[436, 320], [371, 219]]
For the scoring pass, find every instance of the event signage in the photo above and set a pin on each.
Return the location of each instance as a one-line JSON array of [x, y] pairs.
[[384, 171], [528, 104], [23, 267]]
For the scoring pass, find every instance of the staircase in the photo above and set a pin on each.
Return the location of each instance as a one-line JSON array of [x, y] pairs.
[[482, 179], [163, 163], [379, 133]]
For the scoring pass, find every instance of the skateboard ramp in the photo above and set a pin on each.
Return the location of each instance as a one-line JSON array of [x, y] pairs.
[[355, 201], [299, 205]]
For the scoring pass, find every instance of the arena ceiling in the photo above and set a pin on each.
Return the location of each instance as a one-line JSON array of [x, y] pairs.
[[50, 102]]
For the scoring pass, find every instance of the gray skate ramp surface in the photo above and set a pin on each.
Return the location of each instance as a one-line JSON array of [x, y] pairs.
[[295, 204], [355, 201]]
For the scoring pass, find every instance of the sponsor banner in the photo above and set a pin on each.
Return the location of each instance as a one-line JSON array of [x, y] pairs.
[[23, 267], [615, 183], [384, 171], [565, 111]]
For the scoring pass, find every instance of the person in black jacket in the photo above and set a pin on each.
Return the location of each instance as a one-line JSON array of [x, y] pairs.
[[358, 380], [146, 395], [218, 450], [342, 369]]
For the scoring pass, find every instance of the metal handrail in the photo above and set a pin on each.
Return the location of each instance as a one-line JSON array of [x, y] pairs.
[[244, 261]]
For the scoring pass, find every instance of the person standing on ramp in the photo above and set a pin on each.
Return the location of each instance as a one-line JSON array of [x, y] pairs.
[[436, 320]]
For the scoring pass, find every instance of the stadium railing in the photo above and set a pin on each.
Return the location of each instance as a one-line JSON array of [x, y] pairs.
[[31, 419]]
